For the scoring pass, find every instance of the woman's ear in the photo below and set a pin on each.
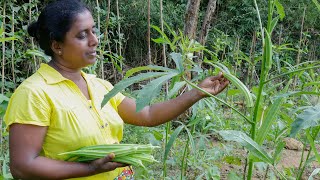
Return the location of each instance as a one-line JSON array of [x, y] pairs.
[[56, 48]]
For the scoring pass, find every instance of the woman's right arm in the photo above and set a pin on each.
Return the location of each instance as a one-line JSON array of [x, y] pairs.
[[25, 143]]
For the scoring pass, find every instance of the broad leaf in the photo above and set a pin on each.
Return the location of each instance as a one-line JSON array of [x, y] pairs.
[[173, 137], [151, 90], [127, 82], [310, 117], [177, 58], [3, 98], [143, 68], [247, 142], [177, 86]]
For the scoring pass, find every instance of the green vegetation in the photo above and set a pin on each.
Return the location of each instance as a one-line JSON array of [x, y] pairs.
[[269, 50]]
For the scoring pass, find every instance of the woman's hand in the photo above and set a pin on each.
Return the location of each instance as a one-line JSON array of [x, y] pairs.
[[105, 164], [213, 85]]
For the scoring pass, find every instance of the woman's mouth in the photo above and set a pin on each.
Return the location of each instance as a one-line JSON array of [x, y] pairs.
[[92, 53]]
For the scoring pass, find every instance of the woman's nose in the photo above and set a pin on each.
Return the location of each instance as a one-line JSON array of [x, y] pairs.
[[93, 40]]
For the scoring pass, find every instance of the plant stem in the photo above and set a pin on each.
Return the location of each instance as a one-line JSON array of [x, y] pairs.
[[12, 48], [259, 18], [164, 170], [185, 152], [3, 49]]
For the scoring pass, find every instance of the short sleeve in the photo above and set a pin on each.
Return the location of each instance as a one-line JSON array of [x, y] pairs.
[[28, 106], [115, 100]]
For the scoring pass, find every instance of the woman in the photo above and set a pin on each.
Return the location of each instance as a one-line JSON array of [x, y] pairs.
[[58, 108]]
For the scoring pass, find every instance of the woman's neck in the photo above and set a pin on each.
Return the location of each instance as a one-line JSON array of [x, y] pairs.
[[72, 74]]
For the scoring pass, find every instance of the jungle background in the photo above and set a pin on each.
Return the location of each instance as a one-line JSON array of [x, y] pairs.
[[264, 126]]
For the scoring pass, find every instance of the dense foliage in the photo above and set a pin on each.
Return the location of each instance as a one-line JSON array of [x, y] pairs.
[[279, 67]]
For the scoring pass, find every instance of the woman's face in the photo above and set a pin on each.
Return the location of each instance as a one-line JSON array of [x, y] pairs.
[[80, 43]]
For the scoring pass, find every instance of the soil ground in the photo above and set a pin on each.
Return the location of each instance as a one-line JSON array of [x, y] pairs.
[[290, 158]]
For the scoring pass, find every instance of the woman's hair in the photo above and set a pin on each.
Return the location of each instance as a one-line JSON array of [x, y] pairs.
[[54, 22]]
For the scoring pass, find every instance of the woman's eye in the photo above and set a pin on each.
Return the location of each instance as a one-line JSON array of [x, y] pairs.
[[82, 35], [94, 30]]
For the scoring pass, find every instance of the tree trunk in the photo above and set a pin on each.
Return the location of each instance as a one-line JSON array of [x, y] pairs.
[[206, 26], [207, 21], [191, 18]]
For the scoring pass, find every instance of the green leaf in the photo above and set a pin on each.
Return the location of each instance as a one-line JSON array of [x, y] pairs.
[[297, 93], [8, 39], [177, 86], [151, 90], [236, 82], [278, 150], [177, 58], [38, 53], [247, 142], [143, 68], [317, 4], [3, 98], [268, 120], [127, 82], [173, 137], [313, 147], [280, 9], [310, 117], [274, 22], [316, 171], [160, 41], [193, 147]]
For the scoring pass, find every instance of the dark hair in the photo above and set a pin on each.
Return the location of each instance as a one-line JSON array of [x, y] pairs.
[[54, 22]]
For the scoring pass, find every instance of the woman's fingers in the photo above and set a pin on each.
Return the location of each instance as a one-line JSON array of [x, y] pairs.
[[105, 164]]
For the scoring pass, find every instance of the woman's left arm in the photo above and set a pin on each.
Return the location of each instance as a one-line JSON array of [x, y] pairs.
[[163, 112]]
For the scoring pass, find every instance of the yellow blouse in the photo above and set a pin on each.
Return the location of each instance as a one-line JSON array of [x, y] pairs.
[[48, 99]]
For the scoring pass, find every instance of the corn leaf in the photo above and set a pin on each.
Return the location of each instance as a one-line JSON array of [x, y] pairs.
[[173, 137], [127, 82], [151, 90], [143, 68], [268, 120], [247, 142], [310, 117]]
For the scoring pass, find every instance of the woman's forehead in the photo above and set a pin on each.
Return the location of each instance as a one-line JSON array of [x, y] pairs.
[[83, 21]]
